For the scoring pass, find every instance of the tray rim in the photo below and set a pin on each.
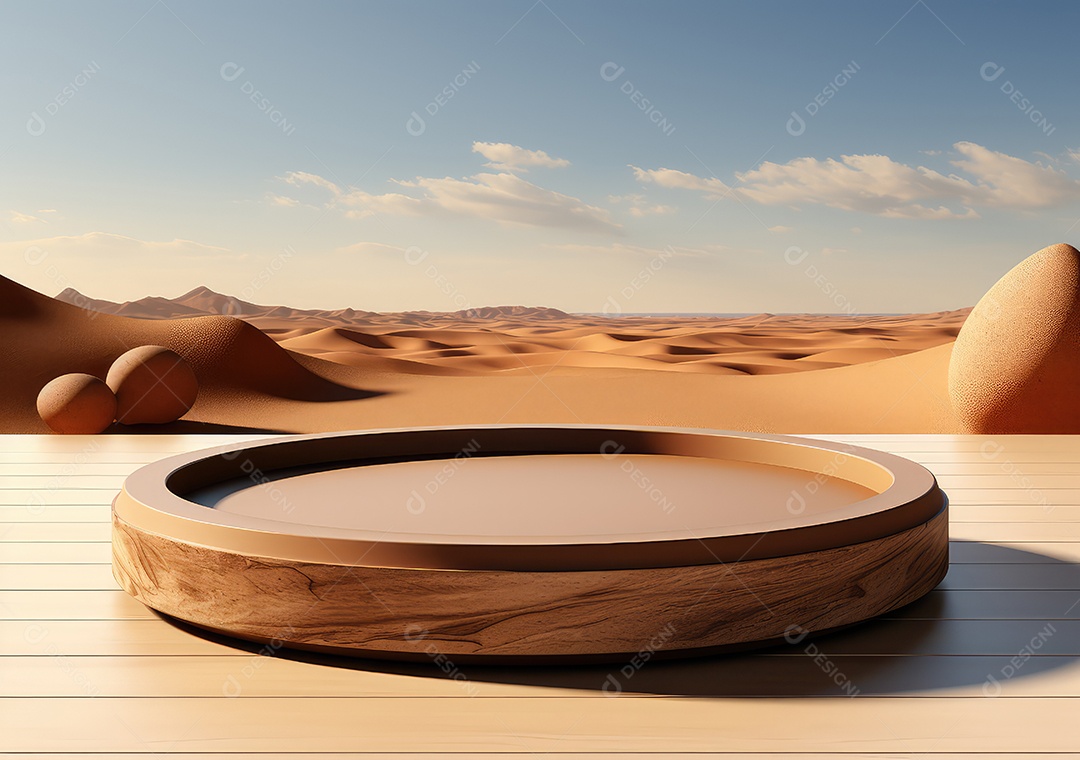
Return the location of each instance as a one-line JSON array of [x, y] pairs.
[[911, 498]]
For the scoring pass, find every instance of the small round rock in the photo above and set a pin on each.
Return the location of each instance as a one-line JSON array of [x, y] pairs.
[[1015, 367], [153, 385], [77, 404]]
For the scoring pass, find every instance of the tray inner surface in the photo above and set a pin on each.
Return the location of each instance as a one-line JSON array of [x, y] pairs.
[[536, 495]]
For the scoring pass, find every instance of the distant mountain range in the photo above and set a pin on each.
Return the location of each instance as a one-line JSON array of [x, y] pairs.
[[202, 301]]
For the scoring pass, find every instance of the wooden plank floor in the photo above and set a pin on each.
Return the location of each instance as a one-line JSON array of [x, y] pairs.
[[988, 665]]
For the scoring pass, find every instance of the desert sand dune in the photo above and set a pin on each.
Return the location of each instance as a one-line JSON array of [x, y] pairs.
[[241, 371], [314, 370], [731, 346]]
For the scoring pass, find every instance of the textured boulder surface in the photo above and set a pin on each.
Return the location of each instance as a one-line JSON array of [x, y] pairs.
[[153, 384], [77, 404], [1015, 367]]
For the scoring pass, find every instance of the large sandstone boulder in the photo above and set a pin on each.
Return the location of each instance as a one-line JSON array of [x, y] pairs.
[[152, 385], [77, 404], [1015, 367]]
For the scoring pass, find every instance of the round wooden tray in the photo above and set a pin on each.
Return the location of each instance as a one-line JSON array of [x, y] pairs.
[[529, 542]]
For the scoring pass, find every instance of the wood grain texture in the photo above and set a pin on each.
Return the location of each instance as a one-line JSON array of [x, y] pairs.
[[1012, 551], [938, 605], [612, 614], [997, 531], [772, 676], [56, 578], [153, 637], [562, 755], [83, 532], [109, 676], [962, 577], [51, 553], [899, 725], [98, 514]]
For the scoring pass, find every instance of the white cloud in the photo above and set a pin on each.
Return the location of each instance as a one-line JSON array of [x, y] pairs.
[[638, 205], [876, 184], [500, 196], [120, 267], [356, 204], [509, 199], [507, 157], [92, 244], [300, 179], [872, 184], [672, 178], [1005, 181], [625, 249], [281, 200], [90, 262], [780, 229], [1051, 160], [359, 205], [18, 217], [856, 230], [503, 197], [367, 248]]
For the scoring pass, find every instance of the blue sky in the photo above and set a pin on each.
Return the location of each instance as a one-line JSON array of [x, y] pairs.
[[270, 151]]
